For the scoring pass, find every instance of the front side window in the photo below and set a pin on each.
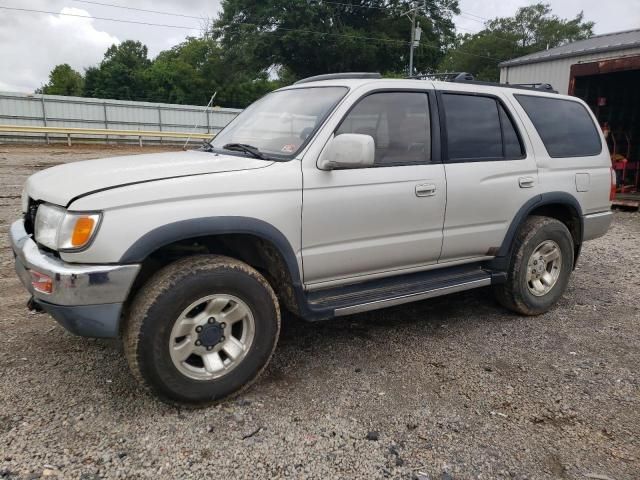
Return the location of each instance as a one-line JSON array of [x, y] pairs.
[[399, 123], [479, 128], [565, 126], [279, 124]]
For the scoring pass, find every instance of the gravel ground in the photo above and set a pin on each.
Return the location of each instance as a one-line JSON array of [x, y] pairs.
[[455, 387]]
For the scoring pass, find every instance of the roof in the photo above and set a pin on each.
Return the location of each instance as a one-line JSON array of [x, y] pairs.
[[596, 44], [414, 84]]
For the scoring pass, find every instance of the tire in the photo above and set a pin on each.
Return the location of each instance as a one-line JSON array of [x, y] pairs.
[[163, 323], [519, 293]]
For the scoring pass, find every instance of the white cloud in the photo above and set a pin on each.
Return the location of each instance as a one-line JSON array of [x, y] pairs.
[[32, 44]]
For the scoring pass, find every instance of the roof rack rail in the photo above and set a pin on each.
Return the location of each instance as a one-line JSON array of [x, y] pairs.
[[340, 76], [464, 77], [446, 77], [547, 87]]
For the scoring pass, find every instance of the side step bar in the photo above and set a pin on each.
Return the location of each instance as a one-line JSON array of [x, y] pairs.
[[388, 292], [412, 297]]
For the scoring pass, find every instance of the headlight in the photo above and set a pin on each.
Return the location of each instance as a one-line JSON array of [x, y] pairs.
[[58, 229]]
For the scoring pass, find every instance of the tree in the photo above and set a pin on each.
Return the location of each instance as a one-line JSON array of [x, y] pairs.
[[531, 29], [307, 37], [63, 80], [192, 71], [121, 74]]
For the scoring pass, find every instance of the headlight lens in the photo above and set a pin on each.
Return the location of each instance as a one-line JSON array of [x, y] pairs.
[[58, 229]]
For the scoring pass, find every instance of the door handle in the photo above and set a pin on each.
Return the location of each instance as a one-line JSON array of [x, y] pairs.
[[425, 190], [526, 182]]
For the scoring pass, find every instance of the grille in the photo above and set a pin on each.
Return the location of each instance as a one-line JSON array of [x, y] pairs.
[[30, 217]]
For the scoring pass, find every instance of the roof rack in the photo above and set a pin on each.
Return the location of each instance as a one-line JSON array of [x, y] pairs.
[[446, 77], [340, 76], [547, 87], [464, 77]]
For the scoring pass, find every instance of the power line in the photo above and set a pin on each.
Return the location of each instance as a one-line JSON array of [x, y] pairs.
[[462, 15], [475, 15], [487, 32], [138, 9], [280, 28], [16, 9], [160, 12]]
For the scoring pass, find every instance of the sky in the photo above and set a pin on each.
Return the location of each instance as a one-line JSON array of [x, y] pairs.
[[31, 44]]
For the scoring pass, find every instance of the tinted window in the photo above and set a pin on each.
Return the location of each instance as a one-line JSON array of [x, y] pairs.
[[473, 127], [399, 123], [565, 127], [512, 146]]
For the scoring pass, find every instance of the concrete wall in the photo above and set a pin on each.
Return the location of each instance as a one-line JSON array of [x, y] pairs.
[[79, 112], [555, 72]]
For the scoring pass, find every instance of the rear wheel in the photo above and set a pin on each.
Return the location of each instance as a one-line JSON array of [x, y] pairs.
[[202, 329], [540, 267]]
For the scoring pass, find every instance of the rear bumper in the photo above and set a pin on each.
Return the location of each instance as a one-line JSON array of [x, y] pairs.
[[596, 224], [85, 299]]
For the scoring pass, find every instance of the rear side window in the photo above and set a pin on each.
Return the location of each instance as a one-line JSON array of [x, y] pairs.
[[565, 126], [478, 128], [512, 145]]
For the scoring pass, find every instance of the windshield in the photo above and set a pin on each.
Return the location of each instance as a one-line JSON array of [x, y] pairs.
[[279, 123]]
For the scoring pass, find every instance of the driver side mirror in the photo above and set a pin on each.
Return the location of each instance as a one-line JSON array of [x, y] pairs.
[[349, 150]]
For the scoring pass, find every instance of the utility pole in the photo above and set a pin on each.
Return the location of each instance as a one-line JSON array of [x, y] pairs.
[[412, 41], [416, 33]]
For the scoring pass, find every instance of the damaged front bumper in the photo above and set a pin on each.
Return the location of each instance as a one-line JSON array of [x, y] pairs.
[[86, 299]]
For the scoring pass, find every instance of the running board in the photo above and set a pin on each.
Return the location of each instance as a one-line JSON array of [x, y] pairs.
[[398, 290]]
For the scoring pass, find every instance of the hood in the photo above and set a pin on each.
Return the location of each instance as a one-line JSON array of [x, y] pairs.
[[63, 183]]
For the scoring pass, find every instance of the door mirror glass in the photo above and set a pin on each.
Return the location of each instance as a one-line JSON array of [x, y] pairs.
[[349, 150]]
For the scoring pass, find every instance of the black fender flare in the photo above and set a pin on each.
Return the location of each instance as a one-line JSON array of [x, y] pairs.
[[205, 226], [548, 198]]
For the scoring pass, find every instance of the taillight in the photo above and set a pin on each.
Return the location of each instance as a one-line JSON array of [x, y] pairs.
[[612, 192]]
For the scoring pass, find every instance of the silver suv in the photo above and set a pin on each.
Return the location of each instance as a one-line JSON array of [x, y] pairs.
[[332, 196]]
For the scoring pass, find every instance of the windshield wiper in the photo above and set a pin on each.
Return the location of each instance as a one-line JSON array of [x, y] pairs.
[[206, 147], [243, 147]]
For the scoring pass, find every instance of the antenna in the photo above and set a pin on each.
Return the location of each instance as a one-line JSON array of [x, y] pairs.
[[195, 127]]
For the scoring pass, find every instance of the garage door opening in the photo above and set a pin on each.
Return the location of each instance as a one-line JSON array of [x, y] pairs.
[[612, 90]]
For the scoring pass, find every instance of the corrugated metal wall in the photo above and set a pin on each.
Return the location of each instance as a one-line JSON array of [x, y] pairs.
[[79, 112], [555, 72]]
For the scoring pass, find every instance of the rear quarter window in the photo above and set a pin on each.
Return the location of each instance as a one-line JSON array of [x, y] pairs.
[[565, 126]]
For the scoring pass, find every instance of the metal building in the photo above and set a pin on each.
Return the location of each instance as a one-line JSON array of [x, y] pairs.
[[561, 65]]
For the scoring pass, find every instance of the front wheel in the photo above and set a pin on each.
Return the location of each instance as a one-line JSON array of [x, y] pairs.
[[202, 329], [540, 267]]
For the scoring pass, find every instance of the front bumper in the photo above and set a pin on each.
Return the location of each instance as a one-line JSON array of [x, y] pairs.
[[86, 299]]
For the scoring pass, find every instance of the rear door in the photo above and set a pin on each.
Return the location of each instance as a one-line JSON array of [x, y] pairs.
[[491, 172]]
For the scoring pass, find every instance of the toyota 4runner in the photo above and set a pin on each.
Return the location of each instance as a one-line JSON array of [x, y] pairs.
[[336, 195]]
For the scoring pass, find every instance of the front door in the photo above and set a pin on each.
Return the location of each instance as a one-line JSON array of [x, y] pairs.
[[382, 220]]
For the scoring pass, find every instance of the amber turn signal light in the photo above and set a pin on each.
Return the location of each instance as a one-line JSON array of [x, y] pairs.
[[82, 231]]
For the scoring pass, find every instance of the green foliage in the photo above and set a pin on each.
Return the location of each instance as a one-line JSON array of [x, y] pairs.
[[311, 37], [121, 74], [531, 29], [192, 71], [63, 80]]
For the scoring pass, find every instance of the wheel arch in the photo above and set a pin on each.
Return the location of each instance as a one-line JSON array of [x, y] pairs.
[[250, 240], [559, 205]]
